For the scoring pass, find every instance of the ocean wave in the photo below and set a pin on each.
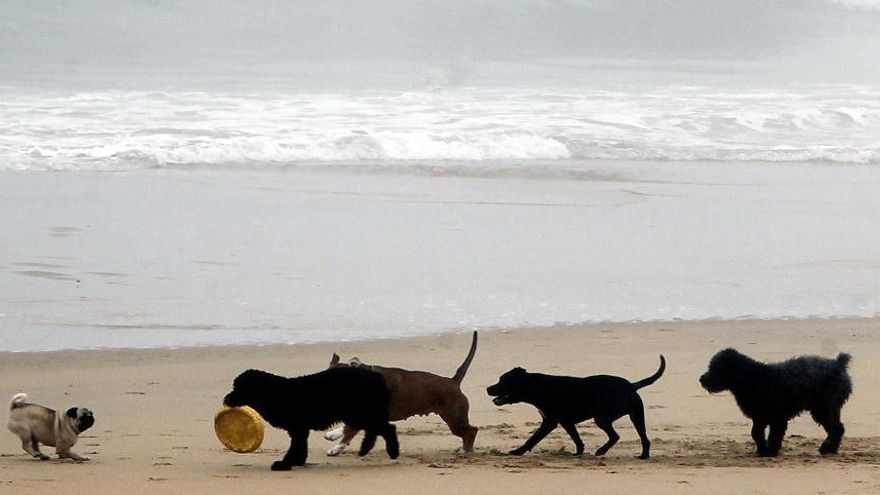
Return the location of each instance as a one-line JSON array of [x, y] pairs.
[[121, 130]]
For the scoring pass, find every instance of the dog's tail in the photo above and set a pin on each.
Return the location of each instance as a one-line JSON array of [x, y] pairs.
[[460, 372], [17, 401], [843, 360], [653, 378]]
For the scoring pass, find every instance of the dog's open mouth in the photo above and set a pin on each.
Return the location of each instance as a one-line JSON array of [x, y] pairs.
[[501, 400]]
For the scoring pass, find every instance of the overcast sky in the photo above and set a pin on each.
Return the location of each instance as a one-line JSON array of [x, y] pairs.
[[833, 33]]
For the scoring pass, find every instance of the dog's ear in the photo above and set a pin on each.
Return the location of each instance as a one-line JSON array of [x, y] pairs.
[[334, 359], [71, 412], [519, 371]]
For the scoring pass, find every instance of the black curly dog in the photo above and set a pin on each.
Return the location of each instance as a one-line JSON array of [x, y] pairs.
[[568, 400], [773, 394], [355, 396]]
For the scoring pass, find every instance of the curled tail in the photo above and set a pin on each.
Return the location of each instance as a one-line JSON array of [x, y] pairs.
[[17, 401], [653, 378], [460, 372]]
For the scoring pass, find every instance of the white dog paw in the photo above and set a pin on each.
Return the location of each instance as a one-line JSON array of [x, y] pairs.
[[336, 450], [333, 435]]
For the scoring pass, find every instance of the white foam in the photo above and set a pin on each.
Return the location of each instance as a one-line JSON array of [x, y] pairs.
[[124, 130]]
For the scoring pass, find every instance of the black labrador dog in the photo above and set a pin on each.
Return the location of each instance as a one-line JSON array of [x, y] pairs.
[[771, 394], [355, 396], [568, 400]]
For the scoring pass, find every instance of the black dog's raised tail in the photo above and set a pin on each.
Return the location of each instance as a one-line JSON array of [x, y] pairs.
[[460, 372], [843, 360], [653, 378]]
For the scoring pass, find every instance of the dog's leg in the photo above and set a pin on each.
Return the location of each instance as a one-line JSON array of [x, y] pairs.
[[64, 452], [296, 454], [368, 442], [334, 435], [32, 447], [389, 434], [758, 436], [833, 427], [637, 416], [605, 425], [546, 427], [456, 418], [774, 438], [347, 433], [572, 431]]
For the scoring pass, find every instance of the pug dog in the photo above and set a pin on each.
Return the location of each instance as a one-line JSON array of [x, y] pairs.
[[36, 425]]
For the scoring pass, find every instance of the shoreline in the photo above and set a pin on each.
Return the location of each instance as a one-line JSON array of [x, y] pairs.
[[154, 407], [582, 326]]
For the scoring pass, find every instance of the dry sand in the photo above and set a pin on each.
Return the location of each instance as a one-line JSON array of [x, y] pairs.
[[154, 411]]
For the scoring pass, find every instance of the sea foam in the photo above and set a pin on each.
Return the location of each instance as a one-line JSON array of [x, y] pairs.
[[125, 130]]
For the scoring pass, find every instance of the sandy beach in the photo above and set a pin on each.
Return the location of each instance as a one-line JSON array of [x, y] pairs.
[[154, 411]]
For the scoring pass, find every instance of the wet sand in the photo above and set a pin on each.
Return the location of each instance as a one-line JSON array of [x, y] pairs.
[[161, 258]]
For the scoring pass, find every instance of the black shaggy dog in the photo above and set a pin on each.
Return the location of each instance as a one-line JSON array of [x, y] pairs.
[[773, 394], [355, 396], [567, 400]]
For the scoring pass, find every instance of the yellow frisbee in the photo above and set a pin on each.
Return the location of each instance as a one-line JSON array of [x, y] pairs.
[[240, 429]]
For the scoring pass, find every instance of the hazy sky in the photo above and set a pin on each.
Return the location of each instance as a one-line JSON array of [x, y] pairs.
[[829, 35]]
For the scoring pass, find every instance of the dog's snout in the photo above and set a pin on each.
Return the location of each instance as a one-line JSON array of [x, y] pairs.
[[704, 380], [710, 383], [233, 400]]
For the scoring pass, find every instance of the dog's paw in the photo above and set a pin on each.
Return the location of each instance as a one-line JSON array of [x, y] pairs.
[[281, 466], [42, 457], [826, 450], [642, 456], [336, 450], [519, 451]]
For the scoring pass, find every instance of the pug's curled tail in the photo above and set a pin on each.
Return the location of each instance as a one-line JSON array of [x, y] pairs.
[[17, 401]]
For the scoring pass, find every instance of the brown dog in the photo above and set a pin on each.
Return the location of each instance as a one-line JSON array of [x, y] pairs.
[[418, 392]]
